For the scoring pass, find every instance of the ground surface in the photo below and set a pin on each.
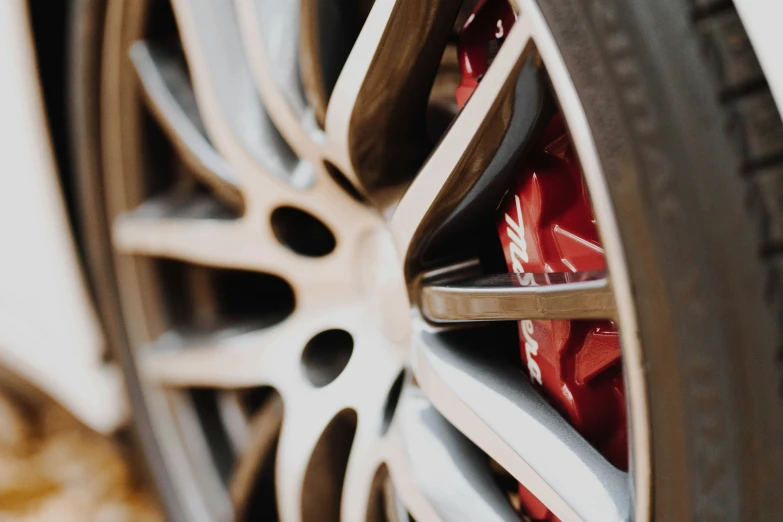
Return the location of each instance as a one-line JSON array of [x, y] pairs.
[[52, 469]]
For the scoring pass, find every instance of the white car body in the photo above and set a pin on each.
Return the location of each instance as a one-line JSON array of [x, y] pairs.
[[761, 19], [49, 332]]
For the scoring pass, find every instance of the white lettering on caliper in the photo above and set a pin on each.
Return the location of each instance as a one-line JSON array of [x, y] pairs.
[[518, 249]]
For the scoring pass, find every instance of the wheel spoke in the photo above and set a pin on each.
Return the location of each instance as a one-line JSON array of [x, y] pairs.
[[241, 244], [170, 98], [471, 166], [506, 297], [365, 460], [310, 57], [412, 498], [505, 416], [264, 430], [306, 487], [254, 358], [274, 129], [233, 416], [446, 469], [375, 374], [376, 115], [212, 242], [298, 439], [268, 27], [235, 120]]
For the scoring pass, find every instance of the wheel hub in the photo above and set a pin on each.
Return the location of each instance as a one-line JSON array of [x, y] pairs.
[[383, 285]]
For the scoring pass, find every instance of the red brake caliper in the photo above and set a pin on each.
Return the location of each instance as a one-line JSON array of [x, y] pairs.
[[546, 225]]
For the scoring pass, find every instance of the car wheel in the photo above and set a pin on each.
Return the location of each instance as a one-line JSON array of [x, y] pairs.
[[437, 260]]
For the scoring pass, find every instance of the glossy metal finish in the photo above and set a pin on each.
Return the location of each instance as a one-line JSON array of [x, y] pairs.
[[489, 166], [513, 297], [310, 66], [326, 36], [463, 406], [161, 77], [376, 116], [504, 416], [468, 147], [451, 473]]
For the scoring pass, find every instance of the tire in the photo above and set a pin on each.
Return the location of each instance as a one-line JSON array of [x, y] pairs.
[[691, 143], [86, 26]]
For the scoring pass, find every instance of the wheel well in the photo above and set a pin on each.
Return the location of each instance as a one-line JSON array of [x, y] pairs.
[[49, 24]]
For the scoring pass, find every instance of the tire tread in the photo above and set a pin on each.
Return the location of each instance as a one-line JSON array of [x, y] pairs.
[[755, 125]]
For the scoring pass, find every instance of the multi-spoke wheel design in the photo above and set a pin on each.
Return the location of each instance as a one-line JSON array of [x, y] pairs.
[[300, 226]]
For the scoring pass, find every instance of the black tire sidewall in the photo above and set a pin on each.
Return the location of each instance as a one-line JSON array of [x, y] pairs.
[[709, 336], [85, 37]]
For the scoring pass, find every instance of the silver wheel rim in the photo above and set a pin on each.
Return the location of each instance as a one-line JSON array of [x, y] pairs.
[[453, 408]]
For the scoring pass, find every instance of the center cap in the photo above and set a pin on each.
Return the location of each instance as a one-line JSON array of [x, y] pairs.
[[382, 284]]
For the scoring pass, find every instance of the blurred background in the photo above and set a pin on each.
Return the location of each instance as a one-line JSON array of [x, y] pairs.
[[52, 466]]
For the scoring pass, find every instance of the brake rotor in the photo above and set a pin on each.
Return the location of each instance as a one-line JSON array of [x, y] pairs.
[[546, 226]]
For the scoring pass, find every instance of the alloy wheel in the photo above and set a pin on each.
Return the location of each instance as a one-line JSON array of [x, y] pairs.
[[299, 245]]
